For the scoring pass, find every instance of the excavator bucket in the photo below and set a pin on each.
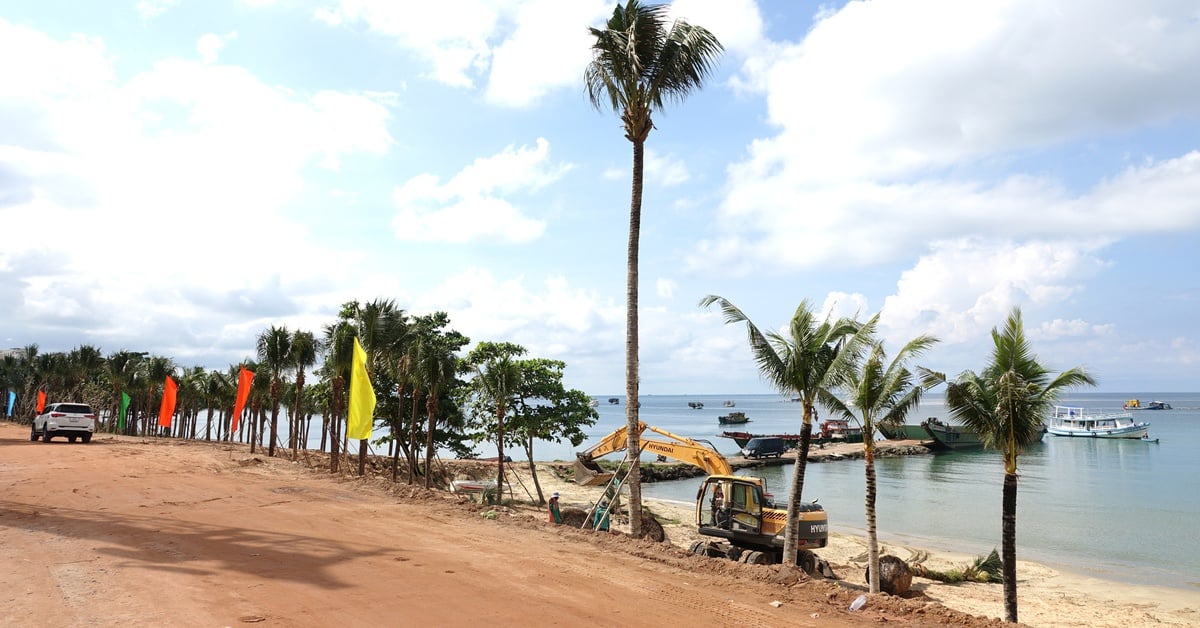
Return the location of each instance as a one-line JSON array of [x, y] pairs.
[[588, 473]]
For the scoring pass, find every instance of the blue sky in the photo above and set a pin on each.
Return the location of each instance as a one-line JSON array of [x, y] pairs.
[[176, 176]]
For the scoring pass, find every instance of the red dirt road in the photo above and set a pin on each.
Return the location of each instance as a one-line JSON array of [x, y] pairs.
[[141, 533]]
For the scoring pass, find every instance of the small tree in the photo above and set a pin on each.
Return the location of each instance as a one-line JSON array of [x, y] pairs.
[[497, 379], [1006, 404], [546, 410], [880, 392]]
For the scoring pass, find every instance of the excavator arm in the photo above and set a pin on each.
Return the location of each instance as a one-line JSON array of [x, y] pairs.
[[678, 448]]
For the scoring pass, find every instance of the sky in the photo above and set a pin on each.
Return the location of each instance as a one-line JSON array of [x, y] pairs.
[[177, 176]]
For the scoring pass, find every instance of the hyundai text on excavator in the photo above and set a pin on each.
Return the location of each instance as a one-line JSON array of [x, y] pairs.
[[735, 510]]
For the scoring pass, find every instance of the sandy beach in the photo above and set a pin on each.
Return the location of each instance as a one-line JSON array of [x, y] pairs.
[[1047, 596], [142, 532]]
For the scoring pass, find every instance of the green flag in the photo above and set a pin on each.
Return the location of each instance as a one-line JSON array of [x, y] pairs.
[[124, 407]]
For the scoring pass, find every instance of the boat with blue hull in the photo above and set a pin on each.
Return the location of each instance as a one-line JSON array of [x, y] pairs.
[[1073, 421]]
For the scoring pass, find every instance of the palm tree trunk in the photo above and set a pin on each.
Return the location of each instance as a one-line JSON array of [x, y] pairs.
[[872, 536], [333, 429], [1008, 547], [631, 342], [362, 457], [253, 430], [412, 440], [499, 450], [274, 417], [792, 531], [431, 403], [533, 469]]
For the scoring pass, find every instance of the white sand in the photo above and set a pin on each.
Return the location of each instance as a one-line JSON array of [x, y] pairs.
[[1046, 596]]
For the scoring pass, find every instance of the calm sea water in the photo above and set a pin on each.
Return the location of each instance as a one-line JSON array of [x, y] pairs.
[[1121, 510]]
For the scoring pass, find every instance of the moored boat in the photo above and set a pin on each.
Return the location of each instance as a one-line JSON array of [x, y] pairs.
[[903, 432], [951, 437], [695, 405], [1078, 422], [733, 417], [840, 431], [741, 438], [614, 400]]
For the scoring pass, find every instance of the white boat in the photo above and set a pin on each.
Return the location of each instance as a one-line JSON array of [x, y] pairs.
[[1075, 421]]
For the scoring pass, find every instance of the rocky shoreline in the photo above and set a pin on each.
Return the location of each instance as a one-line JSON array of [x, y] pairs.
[[669, 471]]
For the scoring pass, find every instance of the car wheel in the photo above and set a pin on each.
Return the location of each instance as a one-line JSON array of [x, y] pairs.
[[87, 438], [70, 439], [33, 435], [46, 435]]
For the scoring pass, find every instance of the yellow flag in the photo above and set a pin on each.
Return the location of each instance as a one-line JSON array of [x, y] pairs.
[[362, 397]]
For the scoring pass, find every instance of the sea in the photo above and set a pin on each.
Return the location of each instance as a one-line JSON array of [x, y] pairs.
[[1120, 510]]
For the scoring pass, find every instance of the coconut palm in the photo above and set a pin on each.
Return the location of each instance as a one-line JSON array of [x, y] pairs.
[[303, 355], [274, 347], [809, 362], [881, 392], [339, 356], [1006, 404], [436, 367], [641, 60], [497, 379]]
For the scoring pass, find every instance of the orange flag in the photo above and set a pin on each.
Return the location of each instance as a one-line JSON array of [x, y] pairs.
[[245, 378], [168, 403], [41, 401]]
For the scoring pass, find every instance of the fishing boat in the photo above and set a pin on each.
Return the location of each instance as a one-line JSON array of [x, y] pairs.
[[741, 438], [729, 403], [614, 401], [840, 431], [695, 405], [903, 432], [1078, 422], [951, 437], [1136, 404], [733, 417]]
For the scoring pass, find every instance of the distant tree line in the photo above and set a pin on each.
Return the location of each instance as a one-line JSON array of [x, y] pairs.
[[431, 396]]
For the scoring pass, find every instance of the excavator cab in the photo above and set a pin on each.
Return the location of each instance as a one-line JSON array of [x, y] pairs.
[[730, 504]]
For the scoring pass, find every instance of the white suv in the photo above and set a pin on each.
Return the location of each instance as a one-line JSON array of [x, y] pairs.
[[73, 420]]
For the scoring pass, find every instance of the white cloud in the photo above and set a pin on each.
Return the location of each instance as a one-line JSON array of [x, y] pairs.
[[496, 41], [737, 24], [170, 163], [549, 35], [666, 288], [1059, 328], [150, 9], [552, 319], [962, 288], [665, 170], [868, 222], [456, 47], [210, 44], [884, 89], [469, 206]]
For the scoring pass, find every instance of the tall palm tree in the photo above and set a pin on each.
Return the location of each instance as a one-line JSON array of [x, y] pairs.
[[498, 380], [1006, 404], [436, 368], [339, 355], [641, 60], [810, 362], [274, 347], [881, 392], [157, 369], [303, 355]]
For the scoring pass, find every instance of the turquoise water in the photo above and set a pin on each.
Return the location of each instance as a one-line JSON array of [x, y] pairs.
[[1121, 510]]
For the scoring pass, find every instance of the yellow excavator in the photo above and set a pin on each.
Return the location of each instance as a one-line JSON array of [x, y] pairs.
[[736, 511]]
